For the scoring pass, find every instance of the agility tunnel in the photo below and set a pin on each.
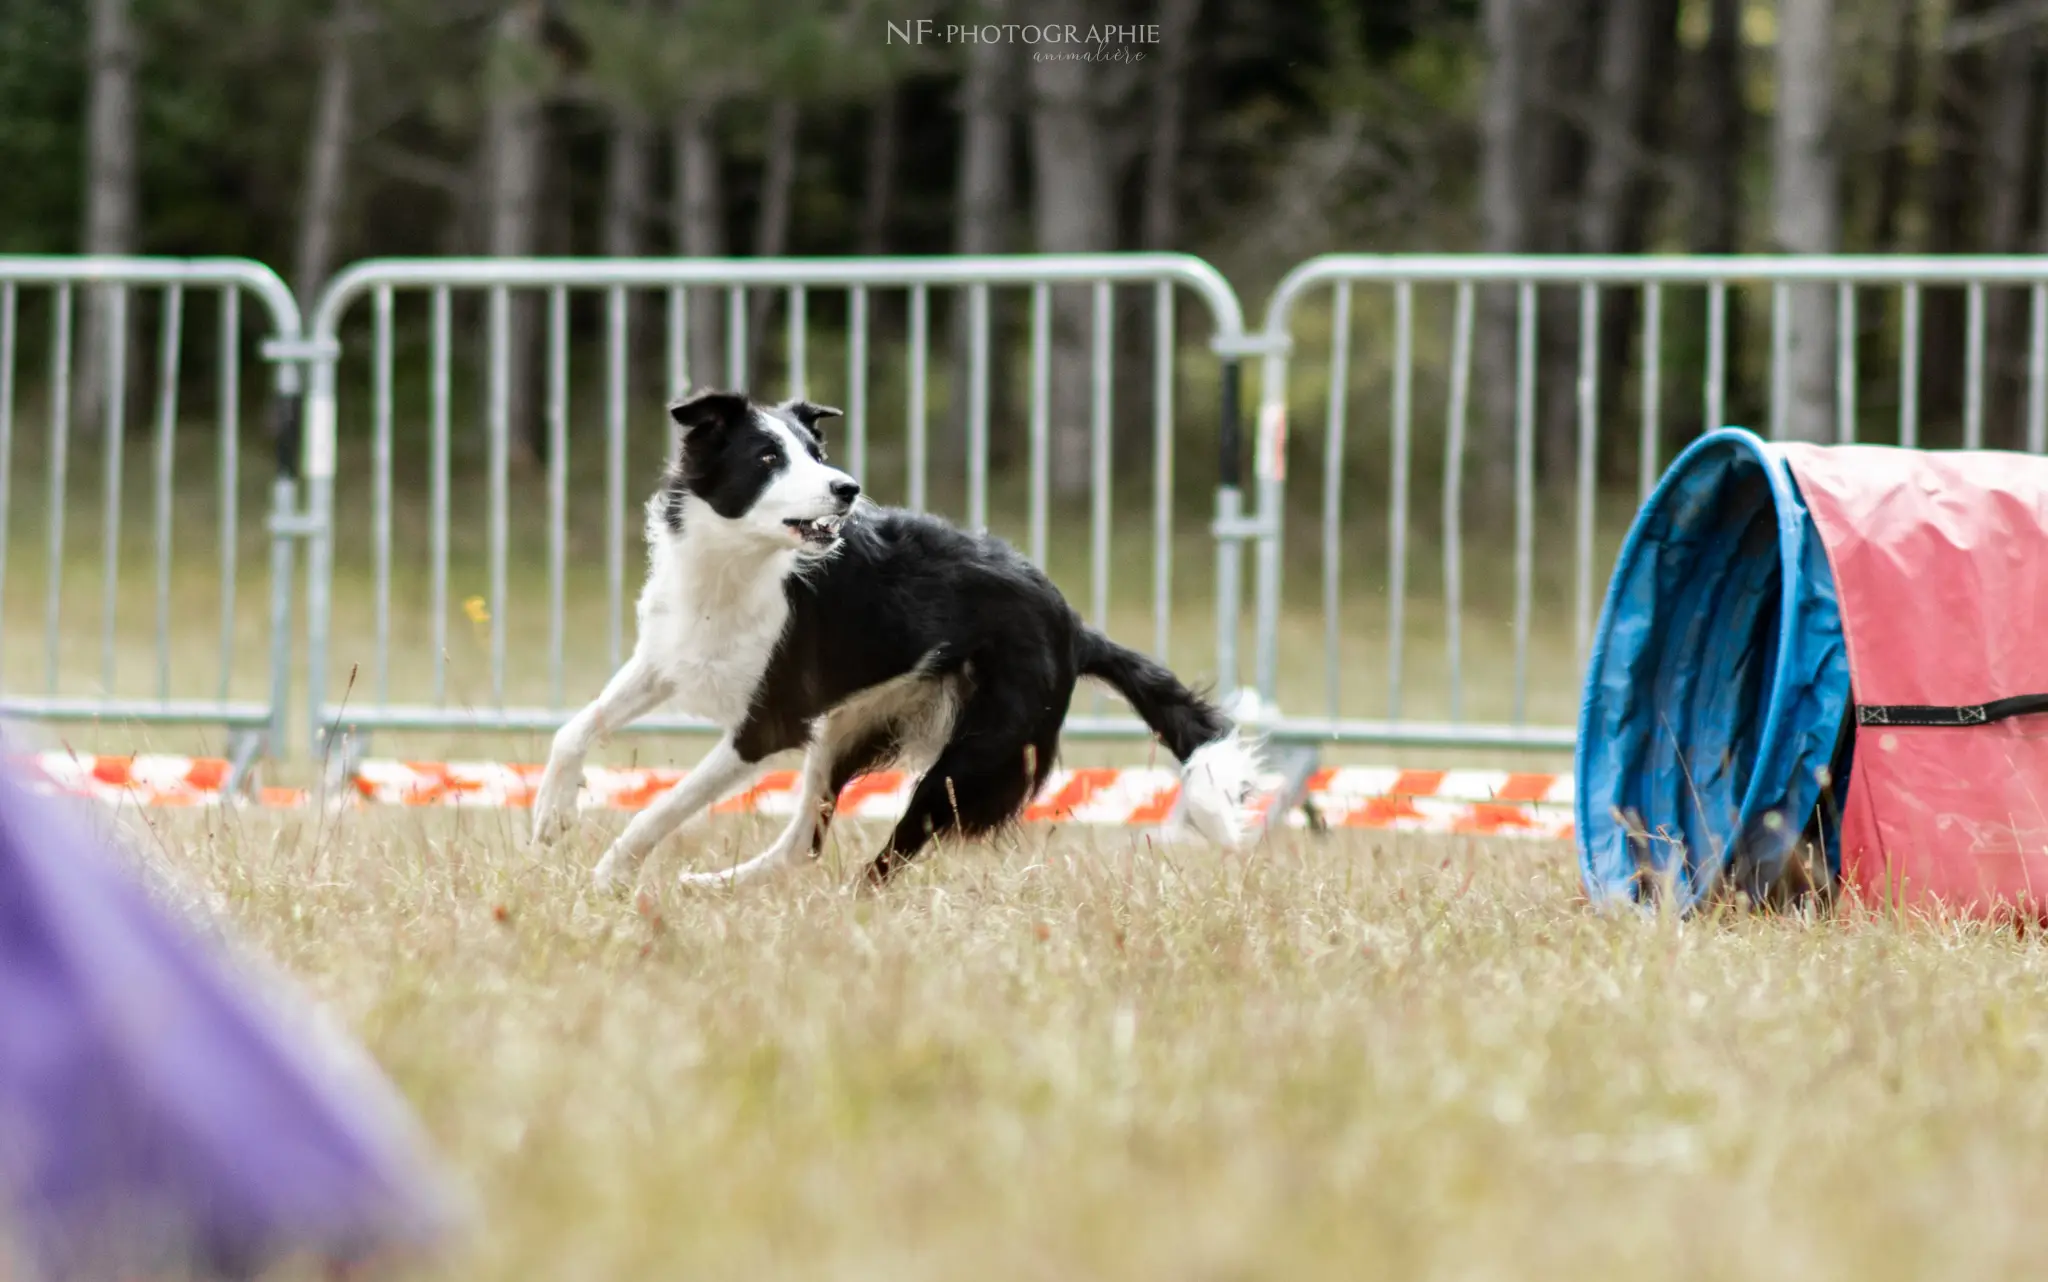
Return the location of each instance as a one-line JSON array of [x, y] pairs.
[[1824, 651]]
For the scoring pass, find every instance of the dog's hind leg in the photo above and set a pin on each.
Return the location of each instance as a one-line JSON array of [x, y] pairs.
[[633, 691], [851, 757], [994, 762], [722, 769]]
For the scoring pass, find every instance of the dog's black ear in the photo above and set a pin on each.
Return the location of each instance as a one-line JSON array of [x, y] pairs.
[[810, 414], [708, 411]]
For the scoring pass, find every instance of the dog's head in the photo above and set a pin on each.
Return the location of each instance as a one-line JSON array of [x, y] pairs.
[[758, 469]]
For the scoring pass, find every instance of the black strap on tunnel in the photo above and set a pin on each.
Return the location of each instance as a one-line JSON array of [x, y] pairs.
[[1927, 714]]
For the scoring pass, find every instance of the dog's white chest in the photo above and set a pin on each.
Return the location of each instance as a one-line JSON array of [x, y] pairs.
[[711, 636]]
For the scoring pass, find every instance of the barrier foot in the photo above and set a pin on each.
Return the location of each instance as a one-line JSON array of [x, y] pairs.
[[244, 746], [345, 752], [1296, 764]]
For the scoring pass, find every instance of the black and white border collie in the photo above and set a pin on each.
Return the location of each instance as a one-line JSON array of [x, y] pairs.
[[794, 615]]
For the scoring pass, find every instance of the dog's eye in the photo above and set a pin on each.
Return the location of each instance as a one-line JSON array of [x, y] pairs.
[[769, 458]]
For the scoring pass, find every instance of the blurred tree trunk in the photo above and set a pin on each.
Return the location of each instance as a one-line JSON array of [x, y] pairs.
[[698, 208], [1638, 47], [110, 196], [1569, 32], [1630, 41], [981, 205], [1958, 130], [512, 149], [2040, 241], [626, 196], [981, 220], [2005, 176], [1532, 165], [1169, 123], [1721, 120], [626, 184], [1161, 143], [1507, 228], [1074, 211], [1896, 167], [878, 180], [1806, 213], [771, 228], [327, 151]]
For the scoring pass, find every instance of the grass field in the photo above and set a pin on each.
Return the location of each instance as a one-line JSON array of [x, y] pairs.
[[1070, 1055]]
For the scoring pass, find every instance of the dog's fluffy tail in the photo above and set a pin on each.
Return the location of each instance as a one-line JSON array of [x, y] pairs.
[[1218, 768]]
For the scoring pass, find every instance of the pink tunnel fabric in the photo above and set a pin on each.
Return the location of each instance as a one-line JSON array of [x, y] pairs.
[[1941, 567]]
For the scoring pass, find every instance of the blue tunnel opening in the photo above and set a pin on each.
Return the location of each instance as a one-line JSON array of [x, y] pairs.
[[1718, 686]]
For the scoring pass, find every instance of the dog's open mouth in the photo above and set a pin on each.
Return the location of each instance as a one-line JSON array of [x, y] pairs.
[[816, 533]]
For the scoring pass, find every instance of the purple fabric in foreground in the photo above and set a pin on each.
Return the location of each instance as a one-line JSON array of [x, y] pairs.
[[153, 1112]]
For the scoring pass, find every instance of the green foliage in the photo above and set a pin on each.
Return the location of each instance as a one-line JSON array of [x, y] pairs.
[[42, 119], [657, 57]]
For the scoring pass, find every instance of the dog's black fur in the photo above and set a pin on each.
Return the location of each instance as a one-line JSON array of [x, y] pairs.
[[908, 592]]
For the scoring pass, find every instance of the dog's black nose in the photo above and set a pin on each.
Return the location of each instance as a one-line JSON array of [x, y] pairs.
[[846, 491]]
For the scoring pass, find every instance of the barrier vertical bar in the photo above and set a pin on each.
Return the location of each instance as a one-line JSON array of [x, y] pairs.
[[1653, 390], [230, 450], [736, 337], [1333, 494], [1397, 511], [920, 324], [1525, 486], [1589, 436], [857, 382], [317, 466], [288, 428], [1162, 467], [1041, 420], [7, 340], [1099, 428], [115, 434], [558, 476], [2037, 371], [1781, 359], [799, 361], [60, 450], [500, 429], [380, 489], [615, 343], [1454, 490], [1845, 363], [678, 344], [977, 408], [1973, 367], [1909, 368], [437, 532], [1269, 470], [1717, 355], [169, 339], [1229, 515]]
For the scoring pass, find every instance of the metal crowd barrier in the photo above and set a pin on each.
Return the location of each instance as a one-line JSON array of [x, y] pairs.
[[52, 309], [453, 696], [1397, 286], [1459, 661]]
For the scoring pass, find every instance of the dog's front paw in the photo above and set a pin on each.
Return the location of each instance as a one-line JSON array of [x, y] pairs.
[[610, 877], [554, 809]]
